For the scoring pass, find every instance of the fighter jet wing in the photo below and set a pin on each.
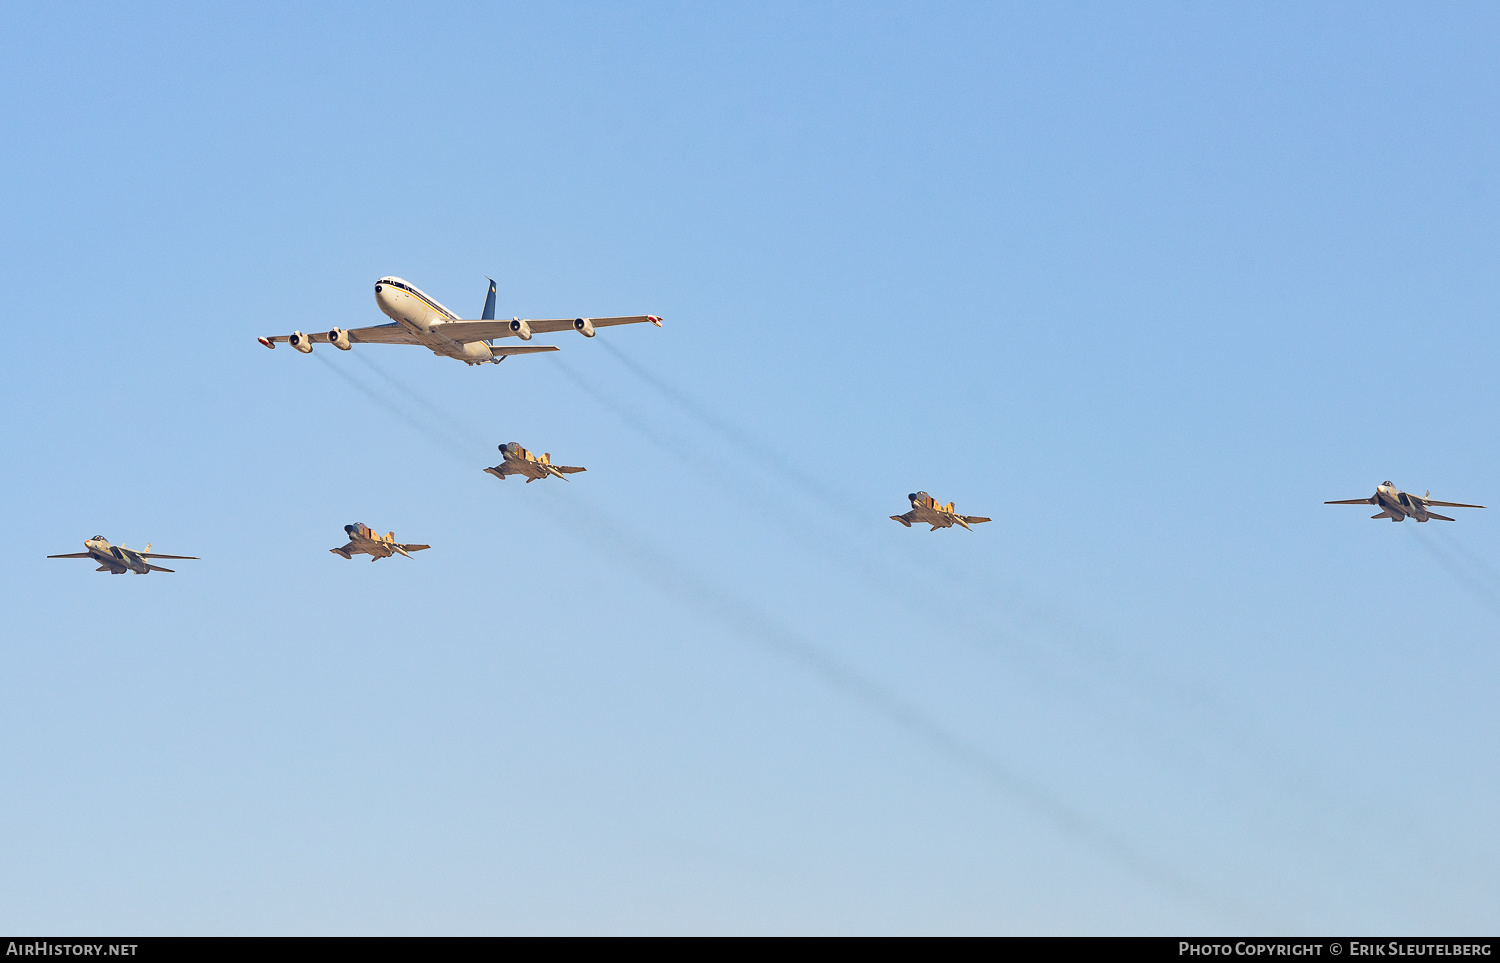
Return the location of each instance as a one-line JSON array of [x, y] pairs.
[[1430, 501], [153, 555], [158, 568], [485, 330], [565, 468], [1353, 501], [1445, 517], [74, 555], [413, 548], [392, 333], [904, 519], [974, 519]]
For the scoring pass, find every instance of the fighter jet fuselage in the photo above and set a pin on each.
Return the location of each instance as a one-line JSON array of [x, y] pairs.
[[365, 541], [117, 559], [519, 461], [1399, 506], [927, 510]]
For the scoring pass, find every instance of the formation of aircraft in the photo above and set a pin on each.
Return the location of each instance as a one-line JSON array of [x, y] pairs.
[[926, 510], [417, 318], [1399, 506], [364, 540], [117, 559], [519, 461]]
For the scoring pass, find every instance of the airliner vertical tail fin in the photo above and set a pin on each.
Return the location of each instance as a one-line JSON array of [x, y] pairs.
[[489, 303]]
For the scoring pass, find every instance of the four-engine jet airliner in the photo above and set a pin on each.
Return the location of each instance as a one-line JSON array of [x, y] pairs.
[[925, 508], [419, 319], [117, 559], [519, 461], [365, 541], [1399, 505]]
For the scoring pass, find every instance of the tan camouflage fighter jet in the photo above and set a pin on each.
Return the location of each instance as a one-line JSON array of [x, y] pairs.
[[363, 541], [1399, 505], [117, 559], [924, 508], [519, 461]]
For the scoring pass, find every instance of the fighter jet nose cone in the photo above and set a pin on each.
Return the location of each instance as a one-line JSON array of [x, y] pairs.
[[911, 497], [349, 529]]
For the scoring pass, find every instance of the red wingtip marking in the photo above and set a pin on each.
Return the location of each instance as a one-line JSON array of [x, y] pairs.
[[654, 320], [267, 342]]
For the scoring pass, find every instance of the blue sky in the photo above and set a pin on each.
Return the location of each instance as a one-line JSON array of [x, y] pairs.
[[1145, 283]]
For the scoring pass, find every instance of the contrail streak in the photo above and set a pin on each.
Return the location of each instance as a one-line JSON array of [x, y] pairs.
[[463, 431], [751, 624], [396, 409], [1455, 568], [731, 432]]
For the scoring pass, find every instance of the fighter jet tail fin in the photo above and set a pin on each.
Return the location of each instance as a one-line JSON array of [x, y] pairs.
[[1383, 515], [158, 568], [1443, 518]]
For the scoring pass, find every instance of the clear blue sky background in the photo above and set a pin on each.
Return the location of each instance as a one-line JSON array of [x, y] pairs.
[[1146, 283]]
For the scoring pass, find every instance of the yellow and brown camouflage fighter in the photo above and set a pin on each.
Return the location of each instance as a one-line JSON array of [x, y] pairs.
[[925, 508], [519, 461], [364, 541]]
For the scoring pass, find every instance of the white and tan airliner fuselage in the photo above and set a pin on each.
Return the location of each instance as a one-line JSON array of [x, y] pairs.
[[424, 317]]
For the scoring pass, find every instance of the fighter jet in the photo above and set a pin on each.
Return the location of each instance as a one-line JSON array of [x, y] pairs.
[[519, 461], [1399, 505], [419, 319], [924, 508], [364, 541], [117, 559]]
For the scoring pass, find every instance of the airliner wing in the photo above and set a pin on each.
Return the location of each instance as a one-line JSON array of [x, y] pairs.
[[522, 349], [392, 333], [485, 330]]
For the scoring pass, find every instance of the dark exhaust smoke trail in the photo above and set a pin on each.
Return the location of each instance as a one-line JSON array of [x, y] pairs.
[[1455, 567], [797, 524], [457, 428], [749, 623], [394, 408], [1459, 547], [732, 433], [1001, 615]]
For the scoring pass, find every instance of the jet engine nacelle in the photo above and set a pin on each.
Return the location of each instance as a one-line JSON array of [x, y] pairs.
[[301, 342], [584, 327], [521, 329], [339, 338]]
